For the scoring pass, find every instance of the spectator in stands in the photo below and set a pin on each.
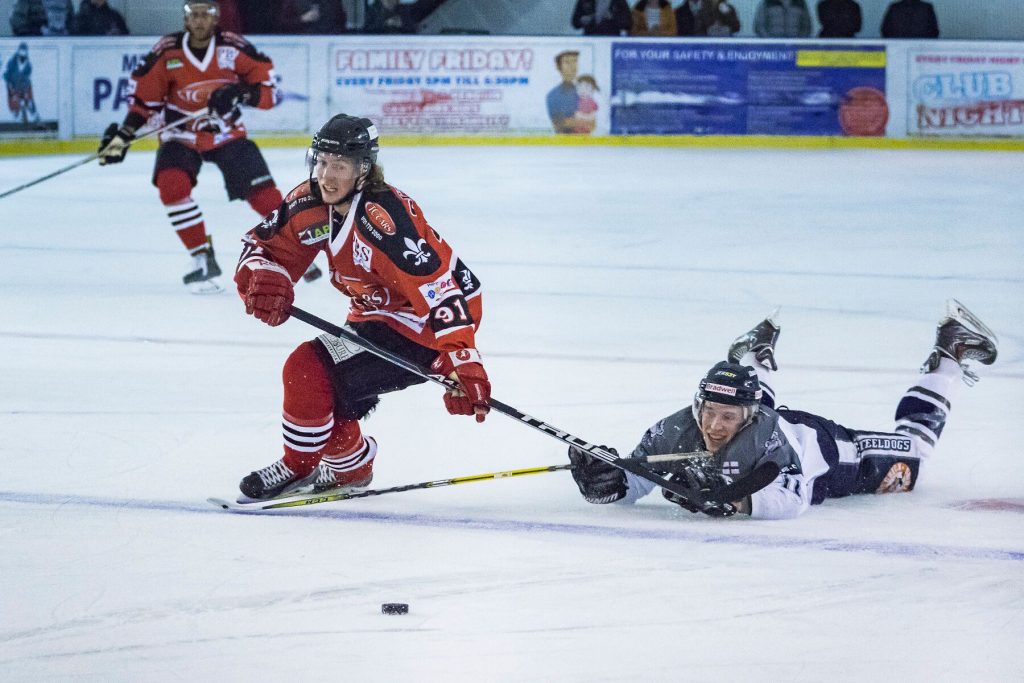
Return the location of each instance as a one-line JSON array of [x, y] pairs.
[[326, 17], [653, 18], [602, 17], [839, 18], [716, 18], [782, 19], [97, 18], [230, 19], [391, 16], [42, 17], [910, 19]]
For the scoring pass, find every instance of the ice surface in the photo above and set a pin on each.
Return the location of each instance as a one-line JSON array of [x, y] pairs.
[[613, 278]]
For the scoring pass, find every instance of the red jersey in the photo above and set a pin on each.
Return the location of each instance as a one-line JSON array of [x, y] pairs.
[[174, 80], [384, 256]]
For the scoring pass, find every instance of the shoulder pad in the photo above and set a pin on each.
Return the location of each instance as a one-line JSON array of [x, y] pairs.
[[302, 189], [384, 220], [243, 45], [168, 42]]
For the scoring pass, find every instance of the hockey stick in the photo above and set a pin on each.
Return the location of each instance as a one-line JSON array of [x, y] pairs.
[[630, 465], [328, 497], [96, 155]]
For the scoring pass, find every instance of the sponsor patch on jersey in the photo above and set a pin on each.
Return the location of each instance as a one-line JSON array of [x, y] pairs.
[[302, 203], [362, 255], [174, 63], [200, 91], [315, 233], [436, 291], [380, 218], [226, 56]]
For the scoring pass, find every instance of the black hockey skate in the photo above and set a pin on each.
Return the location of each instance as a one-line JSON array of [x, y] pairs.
[[961, 336], [760, 340], [274, 480], [202, 278]]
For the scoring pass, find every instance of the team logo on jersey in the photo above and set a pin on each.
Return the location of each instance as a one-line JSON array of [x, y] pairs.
[[174, 63], [314, 234], [417, 251], [380, 218], [467, 280], [268, 226], [226, 57], [362, 255], [731, 467], [898, 479]]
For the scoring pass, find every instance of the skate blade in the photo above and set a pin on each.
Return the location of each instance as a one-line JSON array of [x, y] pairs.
[[957, 311], [211, 286]]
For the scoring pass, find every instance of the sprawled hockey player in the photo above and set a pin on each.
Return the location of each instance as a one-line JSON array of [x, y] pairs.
[[409, 294], [199, 67], [774, 463]]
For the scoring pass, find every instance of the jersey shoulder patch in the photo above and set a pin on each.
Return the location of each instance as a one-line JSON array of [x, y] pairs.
[[165, 44], [385, 218], [243, 45]]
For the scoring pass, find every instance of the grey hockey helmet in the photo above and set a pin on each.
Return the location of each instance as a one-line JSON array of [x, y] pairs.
[[729, 383]]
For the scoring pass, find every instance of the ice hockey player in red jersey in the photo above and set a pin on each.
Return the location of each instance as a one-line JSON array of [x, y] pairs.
[[775, 462], [185, 72], [408, 291]]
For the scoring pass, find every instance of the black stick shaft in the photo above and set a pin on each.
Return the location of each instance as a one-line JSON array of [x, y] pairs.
[[627, 464], [96, 155]]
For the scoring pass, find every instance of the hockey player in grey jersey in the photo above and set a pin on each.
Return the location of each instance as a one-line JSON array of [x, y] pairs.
[[775, 463]]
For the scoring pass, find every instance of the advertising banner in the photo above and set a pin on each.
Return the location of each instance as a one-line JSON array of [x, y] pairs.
[[102, 84], [748, 88], [31, 81], [966, 93], [469, 87]]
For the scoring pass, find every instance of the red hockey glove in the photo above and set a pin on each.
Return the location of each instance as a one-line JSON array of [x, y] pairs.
[[464, 367], [267, 290]]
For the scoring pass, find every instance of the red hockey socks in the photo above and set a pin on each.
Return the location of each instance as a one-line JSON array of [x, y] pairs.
[[308, 414], [176, 194], [265, 199]]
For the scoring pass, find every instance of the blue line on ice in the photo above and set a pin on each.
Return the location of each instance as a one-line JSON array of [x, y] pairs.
[[916, 550]]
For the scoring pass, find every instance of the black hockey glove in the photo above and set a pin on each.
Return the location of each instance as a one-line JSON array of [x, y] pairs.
[[599, 482], [706, 483], [114, 145], [225, 100]]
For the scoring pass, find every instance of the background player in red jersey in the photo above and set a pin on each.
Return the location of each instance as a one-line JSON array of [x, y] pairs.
[[199, 67], [409, 294]]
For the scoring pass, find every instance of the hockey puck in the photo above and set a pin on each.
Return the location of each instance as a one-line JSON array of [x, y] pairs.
[[394, 608]]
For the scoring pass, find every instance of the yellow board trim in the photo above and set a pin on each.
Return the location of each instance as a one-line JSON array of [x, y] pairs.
[[841, 59], [34, 147]]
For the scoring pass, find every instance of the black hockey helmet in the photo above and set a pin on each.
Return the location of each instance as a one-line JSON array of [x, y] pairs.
[[729, 383], [347, 136]]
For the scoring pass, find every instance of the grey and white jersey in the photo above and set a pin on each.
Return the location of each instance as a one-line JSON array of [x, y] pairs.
[[761, 441]]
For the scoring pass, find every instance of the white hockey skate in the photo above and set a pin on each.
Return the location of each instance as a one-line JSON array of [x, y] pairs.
[[961, 336]]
